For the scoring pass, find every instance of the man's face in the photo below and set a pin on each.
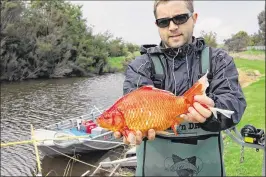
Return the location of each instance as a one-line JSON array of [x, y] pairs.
[[175, 35]]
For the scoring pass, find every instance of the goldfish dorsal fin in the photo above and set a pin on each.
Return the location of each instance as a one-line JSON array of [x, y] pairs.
[[168, 92], [151, 87], [147, 87]]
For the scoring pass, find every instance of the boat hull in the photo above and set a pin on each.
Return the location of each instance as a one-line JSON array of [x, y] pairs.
[[54, 139]]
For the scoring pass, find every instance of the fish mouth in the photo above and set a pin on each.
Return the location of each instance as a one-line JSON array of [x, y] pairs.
[[98, 121], [101, 122]]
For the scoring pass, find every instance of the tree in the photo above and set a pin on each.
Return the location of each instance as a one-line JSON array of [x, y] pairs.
[[238, 41], [51, 39], [261, 22], [132, 47], [259, 37], [210, 38], [256, 39]]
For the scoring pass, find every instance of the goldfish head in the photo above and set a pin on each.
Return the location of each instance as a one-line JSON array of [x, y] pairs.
[[111, 119]]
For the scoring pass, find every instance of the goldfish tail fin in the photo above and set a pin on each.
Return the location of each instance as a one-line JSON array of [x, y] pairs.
[[198, 88], [226, 113]]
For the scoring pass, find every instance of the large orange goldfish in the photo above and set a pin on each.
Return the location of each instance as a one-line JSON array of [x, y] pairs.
[[150, 108]]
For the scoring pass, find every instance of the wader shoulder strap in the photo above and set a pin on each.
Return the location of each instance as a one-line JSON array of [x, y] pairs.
[[205, 63], [157, 64], [158, 71]]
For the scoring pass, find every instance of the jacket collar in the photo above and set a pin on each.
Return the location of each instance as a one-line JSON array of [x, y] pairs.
[[187, 49], [196, 46]]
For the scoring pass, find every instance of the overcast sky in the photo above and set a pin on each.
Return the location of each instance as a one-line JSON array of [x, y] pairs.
[[134, 20]]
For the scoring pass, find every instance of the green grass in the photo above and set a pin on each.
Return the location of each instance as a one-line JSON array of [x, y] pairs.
[[116, 62], [255, 115], [137, 53], [251, 65], [254, 52]]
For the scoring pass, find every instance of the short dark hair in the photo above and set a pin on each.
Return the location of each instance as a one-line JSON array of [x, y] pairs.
[[189, 4]]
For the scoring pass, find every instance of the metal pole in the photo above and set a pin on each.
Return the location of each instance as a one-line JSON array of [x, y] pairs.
[[263, 164]]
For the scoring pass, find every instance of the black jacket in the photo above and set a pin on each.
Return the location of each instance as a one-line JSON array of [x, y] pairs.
[[224, 88]]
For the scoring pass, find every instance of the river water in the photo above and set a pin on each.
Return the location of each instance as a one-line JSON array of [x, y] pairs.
[[44, 102]]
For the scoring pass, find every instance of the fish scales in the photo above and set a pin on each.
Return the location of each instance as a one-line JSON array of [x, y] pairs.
[[151, 108]]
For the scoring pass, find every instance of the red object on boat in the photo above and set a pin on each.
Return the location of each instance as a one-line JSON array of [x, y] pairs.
[[89, 121], [88, 126]]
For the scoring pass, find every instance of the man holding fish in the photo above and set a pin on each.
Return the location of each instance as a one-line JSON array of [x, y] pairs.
[[180, 121]]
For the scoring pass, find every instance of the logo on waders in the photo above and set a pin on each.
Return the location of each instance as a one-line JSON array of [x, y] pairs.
[[183, 167]]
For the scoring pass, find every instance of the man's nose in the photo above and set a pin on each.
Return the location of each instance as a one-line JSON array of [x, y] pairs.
[[172, 26]]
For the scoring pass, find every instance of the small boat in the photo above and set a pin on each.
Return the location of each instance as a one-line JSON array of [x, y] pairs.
[[75, 135]]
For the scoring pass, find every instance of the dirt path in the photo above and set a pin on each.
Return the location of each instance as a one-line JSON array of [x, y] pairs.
[[248, 56], [248, 77]]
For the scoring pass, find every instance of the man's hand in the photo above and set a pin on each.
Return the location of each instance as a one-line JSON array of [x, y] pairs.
[[199, 113], [132, 139]]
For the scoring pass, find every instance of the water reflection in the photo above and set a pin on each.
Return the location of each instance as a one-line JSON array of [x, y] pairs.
[[43, 102]]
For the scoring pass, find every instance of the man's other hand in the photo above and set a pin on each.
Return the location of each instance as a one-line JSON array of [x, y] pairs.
[[132, 139], [198, 113]]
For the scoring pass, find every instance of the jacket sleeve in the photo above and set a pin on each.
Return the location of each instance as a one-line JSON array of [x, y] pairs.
[[137, 74], [226, 92]]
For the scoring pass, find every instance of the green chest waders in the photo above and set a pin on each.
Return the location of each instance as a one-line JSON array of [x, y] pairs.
[[194, 152]]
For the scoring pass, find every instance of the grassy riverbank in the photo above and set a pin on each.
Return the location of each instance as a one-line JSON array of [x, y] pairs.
[[116, 63], [255, 115]]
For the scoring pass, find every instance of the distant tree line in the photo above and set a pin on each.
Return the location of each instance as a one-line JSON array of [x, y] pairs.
[[49, 39], [241, 39]]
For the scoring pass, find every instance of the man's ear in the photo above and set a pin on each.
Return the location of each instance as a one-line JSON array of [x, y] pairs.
[[195, 17]]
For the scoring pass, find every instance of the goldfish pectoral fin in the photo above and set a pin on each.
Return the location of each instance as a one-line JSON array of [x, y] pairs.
[[226, 113], [123, 133], [130, 135], [179, 119], [174, 128], [126, 131]]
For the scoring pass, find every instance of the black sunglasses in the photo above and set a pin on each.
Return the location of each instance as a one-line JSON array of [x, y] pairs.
[[178, 20]]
